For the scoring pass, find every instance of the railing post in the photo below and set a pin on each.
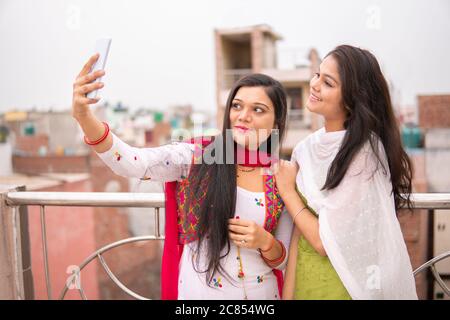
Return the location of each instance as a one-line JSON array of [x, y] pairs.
[[45, 254], [16, 281], [157, 230], [430, 253]]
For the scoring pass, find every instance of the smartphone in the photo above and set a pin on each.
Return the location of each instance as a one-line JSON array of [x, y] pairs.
[[101, 47]]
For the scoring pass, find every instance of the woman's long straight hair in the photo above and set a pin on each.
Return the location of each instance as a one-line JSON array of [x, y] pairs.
[[219, 179], [368, 103]]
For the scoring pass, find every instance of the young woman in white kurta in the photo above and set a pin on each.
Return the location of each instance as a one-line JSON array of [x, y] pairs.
[[172, 163], [256, 106]]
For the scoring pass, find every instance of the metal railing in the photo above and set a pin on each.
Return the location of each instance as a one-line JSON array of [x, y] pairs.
[[429, 201], [432, 265], [88, 199]]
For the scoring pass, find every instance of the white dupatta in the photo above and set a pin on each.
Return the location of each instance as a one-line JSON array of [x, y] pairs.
[[358, 225]]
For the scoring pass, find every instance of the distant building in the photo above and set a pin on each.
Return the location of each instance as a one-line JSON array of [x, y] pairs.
[[407, 115], [241, 51], [434, 121], [50, 155]]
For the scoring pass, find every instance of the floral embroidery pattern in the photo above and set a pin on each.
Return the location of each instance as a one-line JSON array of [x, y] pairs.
[[118, 156], [274, 203], [218, 282], [260, 279], [259, 202], [187, 218]]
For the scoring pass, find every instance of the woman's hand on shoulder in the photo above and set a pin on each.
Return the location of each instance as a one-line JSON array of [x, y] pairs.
[[285, 176]]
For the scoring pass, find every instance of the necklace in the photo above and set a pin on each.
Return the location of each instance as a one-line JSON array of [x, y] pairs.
[[248, 170], [241, 274]]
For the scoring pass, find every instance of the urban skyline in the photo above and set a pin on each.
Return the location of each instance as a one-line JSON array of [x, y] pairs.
[[162, 53]]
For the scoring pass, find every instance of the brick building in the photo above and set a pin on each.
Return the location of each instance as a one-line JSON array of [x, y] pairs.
[[241, 51], [434, 119]]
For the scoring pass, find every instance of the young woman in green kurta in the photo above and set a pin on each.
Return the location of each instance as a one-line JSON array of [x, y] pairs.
[[343, 186]]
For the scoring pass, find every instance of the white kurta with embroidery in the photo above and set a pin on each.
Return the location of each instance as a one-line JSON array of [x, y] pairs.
[[171, 163]]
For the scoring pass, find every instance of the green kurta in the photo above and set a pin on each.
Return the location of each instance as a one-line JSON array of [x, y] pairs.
[[315, 277]]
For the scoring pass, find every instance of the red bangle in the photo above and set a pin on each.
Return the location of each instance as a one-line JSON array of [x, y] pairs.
[[277, 260], [101, 139]]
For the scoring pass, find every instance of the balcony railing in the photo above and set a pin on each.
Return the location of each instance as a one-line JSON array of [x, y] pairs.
[[428, 201]]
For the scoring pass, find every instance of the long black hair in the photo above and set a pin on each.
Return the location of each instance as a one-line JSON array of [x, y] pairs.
[[219, 179], [370, 117]]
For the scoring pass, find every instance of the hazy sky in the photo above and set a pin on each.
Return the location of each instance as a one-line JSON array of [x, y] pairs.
[[162, 51]]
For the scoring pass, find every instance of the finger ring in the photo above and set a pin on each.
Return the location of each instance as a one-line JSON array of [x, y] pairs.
[[243, 241]]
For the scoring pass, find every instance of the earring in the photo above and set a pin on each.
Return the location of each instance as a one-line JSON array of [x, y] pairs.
[[348, 109]]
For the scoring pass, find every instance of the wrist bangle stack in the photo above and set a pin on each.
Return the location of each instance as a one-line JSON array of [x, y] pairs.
[[277, 261], [101, 139]]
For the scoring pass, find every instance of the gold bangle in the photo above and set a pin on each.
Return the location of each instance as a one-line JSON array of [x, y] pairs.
[[293, 220]]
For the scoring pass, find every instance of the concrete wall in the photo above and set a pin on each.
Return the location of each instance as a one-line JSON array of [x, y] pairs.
[[437, 170], [68, 133], [5, 159], [48, 164], [437, 144]]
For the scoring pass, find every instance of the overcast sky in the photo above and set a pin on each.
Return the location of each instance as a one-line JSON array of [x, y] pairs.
[[162, 51]]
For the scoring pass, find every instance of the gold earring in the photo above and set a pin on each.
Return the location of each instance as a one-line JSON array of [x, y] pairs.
[[348, 109]]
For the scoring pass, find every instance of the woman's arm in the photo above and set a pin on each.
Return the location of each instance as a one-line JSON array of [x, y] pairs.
[[92, 127], [169, 162], [303, 219], [289, 277], [165, 163]]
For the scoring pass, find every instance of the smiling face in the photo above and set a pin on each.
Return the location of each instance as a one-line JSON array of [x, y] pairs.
[[252, 117], [326, 93]]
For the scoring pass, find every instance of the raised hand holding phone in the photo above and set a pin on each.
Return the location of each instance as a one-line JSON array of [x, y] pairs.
[[85, 88], [88, 80], [102, 48]]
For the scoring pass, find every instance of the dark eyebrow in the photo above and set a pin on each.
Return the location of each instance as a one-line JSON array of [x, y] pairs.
[[328, 76], [256, 103]]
